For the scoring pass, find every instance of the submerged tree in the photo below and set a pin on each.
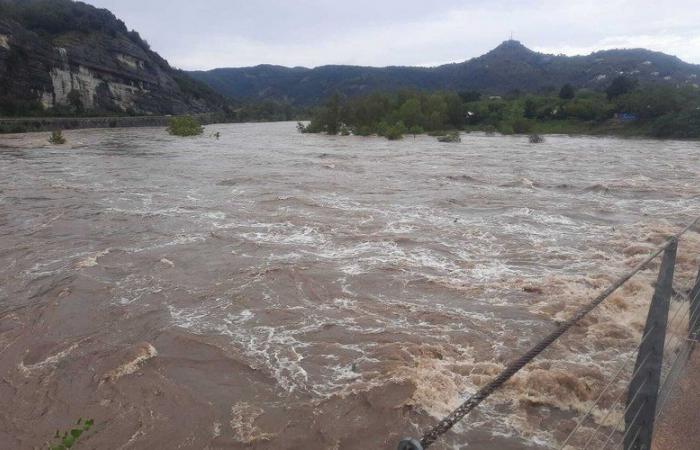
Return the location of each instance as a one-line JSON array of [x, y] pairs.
[[185, 126], [57, 138]]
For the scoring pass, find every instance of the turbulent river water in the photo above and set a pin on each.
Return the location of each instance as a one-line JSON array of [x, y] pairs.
[[276, 290]]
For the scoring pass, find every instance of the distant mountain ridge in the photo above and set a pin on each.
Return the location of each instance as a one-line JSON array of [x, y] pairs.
[[508, 67], [66, 56]]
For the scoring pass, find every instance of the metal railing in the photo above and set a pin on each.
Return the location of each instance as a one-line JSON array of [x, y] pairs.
[[652, 378]]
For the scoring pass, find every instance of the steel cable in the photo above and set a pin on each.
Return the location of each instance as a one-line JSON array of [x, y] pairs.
[[430, 436]]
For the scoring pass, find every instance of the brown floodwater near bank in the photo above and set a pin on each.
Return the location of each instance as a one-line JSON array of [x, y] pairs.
[[273, 290]]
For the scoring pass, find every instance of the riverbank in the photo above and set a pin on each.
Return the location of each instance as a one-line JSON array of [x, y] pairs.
[[29, 124], [578, 128]]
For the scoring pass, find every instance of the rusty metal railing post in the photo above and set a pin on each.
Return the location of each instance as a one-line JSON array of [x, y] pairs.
[[644, 388], [693, 322]]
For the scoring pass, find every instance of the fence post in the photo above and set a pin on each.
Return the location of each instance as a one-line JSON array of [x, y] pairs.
[[644, 387], [693, 322]]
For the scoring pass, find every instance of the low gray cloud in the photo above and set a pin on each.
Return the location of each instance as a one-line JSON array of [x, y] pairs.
[[233, 33]]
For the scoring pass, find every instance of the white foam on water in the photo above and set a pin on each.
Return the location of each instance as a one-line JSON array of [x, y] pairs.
[[215, 215], [289, 235], [91, 261]]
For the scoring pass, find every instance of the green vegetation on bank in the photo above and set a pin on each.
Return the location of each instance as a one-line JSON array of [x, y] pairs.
[[185, 126], [625, 108], [451, 137]]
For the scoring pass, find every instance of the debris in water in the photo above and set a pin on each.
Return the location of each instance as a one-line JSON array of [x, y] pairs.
[[135, 357]]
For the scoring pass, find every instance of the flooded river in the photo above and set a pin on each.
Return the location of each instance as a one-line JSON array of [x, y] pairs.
[[273, 290]]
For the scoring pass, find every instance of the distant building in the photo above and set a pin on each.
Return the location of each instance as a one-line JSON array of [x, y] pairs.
[[626, 117]]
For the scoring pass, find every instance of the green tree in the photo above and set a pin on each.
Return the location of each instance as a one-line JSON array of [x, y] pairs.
[[330, 117], [455, 111], [620, 86], [415, 130], [530, 108], [567, 92], [75, 101], [652, 101], [410, 113], [470, 96], [683, 125]]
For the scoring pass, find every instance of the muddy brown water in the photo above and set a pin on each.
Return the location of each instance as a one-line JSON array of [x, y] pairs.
[[277, 290]]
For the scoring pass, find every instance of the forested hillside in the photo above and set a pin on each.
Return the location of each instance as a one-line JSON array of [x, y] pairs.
[[510, 66]]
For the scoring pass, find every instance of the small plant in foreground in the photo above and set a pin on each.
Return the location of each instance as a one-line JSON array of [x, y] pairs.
[[185, 126], [57, 138], [69, 438]]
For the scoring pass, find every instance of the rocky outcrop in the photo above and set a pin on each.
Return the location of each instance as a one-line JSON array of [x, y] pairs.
[[78, 67]]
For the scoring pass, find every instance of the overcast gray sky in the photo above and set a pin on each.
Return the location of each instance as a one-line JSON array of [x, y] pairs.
[[205, 34]]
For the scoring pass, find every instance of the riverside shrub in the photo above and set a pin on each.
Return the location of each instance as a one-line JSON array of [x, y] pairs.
[[185, 126]]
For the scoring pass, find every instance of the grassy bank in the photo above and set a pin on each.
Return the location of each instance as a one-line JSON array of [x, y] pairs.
[[575, 127]]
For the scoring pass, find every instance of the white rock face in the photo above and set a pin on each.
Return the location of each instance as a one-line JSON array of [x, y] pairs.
[[124, 94], [65, 80], [130, 61], [5, 41]]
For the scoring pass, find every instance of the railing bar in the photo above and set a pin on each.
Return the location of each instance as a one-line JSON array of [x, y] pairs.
[[634, 398], [590, 410], [662, 390], [622, 441], [672, 321], [595, 433], [673, 384], [690, 326], [612, 433], [614, 377], [672, 338]]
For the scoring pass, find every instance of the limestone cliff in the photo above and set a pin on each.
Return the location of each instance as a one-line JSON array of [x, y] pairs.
[[61, 56]]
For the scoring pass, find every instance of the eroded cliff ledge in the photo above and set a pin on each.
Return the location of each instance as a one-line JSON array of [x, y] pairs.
[[86, 60]]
